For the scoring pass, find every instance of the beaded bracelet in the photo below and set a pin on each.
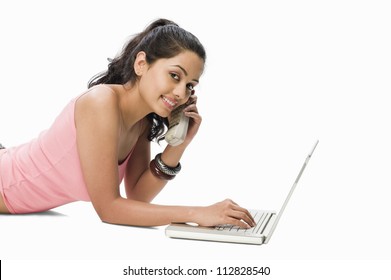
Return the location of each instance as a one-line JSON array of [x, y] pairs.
[[158, 173], [165, 168]]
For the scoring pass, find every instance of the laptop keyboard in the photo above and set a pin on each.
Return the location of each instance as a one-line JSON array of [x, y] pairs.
[[261, 219]]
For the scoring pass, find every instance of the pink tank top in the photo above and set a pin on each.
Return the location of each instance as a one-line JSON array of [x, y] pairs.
[[46, 172]]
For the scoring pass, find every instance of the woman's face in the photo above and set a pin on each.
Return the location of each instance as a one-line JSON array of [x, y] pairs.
[[168, 83]]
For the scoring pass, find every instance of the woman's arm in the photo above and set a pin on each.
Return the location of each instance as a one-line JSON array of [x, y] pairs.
[[98, 124], [140, 183], [97, 119]]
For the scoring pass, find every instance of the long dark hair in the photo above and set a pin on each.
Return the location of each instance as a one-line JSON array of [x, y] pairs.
[[161, 39]]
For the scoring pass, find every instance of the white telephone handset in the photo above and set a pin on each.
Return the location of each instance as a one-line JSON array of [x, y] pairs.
[[177, 128]]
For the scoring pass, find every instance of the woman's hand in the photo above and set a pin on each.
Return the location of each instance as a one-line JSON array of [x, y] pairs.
[[191, 111], [224, 212]]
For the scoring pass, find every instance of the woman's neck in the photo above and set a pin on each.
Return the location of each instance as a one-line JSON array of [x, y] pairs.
[[132, 106]]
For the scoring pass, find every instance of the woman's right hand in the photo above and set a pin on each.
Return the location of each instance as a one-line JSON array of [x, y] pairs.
[[224, 212]]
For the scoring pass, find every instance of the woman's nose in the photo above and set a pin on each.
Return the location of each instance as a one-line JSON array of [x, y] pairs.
[[180, 92]]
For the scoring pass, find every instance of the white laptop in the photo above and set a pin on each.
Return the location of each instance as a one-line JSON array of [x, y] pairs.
[[260, 234]]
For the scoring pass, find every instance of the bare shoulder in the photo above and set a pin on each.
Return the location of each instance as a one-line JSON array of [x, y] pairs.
[[98, 102], [98, 96], [97, 122]]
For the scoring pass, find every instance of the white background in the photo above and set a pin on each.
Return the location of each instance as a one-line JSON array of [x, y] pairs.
[[279, 75]]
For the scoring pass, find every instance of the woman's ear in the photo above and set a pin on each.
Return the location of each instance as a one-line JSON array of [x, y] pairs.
[[140, 63]]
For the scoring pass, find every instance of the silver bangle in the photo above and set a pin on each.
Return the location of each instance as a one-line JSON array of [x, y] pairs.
[[165, 168]]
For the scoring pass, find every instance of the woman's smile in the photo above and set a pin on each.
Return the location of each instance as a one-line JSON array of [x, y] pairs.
[[169, 102]]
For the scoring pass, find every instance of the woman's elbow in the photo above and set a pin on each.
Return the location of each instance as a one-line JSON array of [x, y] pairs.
[[105, 212]]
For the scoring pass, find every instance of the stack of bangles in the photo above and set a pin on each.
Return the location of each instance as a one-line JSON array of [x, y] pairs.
[[161, 170]]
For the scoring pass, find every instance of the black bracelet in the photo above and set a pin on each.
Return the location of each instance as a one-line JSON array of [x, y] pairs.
[[165, 168], [158, 173]]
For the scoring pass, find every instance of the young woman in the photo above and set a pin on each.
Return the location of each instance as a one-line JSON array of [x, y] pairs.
[[103, 136]]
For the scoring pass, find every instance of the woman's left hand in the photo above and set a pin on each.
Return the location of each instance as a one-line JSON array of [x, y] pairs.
[[191, 111]]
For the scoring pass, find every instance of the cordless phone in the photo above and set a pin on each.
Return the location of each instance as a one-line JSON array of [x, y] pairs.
[[177, 128]]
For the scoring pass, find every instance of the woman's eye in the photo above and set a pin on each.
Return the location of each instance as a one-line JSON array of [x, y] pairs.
[[190, 86], [174, 76]]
